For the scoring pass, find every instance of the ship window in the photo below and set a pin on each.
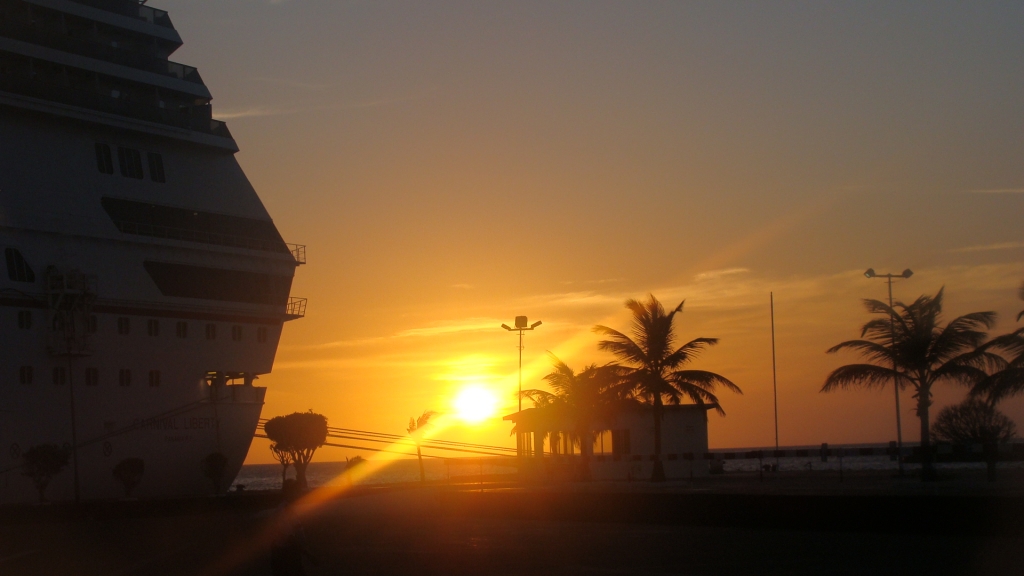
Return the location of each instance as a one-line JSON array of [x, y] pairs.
[[131, 162], [25, 374], [90, 324], [104, 162], [124, 377], [185, 281], [154, 378], [124, 325], [156, 167], [153, 327], [192, 225], [181, 329], [211, 331], [261, 334], [236, 333], [60, 376], [25, 319], [92, 377], [18, 269]]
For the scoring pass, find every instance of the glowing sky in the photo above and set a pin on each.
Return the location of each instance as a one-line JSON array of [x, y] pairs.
[[453, 164]]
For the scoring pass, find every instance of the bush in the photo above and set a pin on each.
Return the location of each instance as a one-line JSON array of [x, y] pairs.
[[973, 422], [129, 472], [298, 434], [41, 463], [213, 468]]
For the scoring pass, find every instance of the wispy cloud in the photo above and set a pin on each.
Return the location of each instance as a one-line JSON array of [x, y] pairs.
[[998, 191], [465, 325], [258, 111], [254, 111], [989, 247], [716, 274]]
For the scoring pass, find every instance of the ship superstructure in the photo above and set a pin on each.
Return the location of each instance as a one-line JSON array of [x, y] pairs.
[[144, 286]]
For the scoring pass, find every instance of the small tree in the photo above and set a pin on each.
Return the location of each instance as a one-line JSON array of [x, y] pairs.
[[284, 458], [213, 468], [43, 462], [298, 434], [415, 430], [973, 422], [129, 473]]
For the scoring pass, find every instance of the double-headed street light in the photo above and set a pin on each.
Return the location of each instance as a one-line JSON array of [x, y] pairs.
[[521, 326], [870, 273]]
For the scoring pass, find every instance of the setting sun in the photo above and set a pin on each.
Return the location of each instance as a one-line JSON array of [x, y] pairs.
[[475, 404]]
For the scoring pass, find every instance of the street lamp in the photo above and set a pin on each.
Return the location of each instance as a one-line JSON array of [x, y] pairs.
[[521, 326], [870, 273]]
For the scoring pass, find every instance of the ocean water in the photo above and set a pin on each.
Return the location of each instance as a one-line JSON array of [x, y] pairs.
[[268, 476]]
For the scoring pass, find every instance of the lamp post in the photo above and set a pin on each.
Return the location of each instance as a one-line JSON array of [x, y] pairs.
[[870, 273], [521, 326]]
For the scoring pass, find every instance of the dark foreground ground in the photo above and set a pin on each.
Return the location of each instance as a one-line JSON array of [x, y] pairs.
[[738, 525]]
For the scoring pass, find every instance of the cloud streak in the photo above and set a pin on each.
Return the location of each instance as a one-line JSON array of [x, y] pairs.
[[998, 191], [989, 247]]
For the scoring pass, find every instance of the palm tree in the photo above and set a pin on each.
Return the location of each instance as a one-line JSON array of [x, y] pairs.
[[1009, 381], [580, 399], [907, 343], [1020, 294], [655, 372], [415, 430]]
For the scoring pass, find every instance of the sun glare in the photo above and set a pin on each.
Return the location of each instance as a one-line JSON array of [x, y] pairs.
[[475, 404]]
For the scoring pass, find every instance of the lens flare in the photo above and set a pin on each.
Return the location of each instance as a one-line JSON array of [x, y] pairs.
[[475, 404]]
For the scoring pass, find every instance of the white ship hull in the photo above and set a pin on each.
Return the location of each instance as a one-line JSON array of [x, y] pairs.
[[143, 286]]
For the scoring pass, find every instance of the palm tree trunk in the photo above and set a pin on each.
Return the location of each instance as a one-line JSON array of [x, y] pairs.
[[586, 450], [423, 475], [924, 402], [658, 472]]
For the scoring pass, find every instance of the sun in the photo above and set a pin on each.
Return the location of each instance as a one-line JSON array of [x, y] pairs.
[[475, 404]]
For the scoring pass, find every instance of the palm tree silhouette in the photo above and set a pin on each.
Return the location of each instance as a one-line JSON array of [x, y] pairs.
[[415, 430], [911, 338], [1020, 294], [1009, 381], [655, 375], [579, 399]]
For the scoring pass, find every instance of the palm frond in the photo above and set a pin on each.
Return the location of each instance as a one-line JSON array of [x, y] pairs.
[[539, 397], [1000, 385], [702, 379], [703, 397], [872, 350], [621, 346], [859, 375], [687, 352]]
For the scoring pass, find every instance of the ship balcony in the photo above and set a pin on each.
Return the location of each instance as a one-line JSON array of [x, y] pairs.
[[133, 53], [295, 309], [195, 118], [132, 9], [298, 252]]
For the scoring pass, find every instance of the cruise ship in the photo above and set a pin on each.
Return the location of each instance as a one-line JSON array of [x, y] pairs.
[[144, 285]]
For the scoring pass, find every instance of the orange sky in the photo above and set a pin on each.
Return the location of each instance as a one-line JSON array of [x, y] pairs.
[[453, 164]]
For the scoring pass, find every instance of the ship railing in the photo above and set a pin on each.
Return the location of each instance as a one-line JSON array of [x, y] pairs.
[[101, 51], [195, 118], [155, 16], [132, 9], [298, 252], [203, 236], [296, 308]]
